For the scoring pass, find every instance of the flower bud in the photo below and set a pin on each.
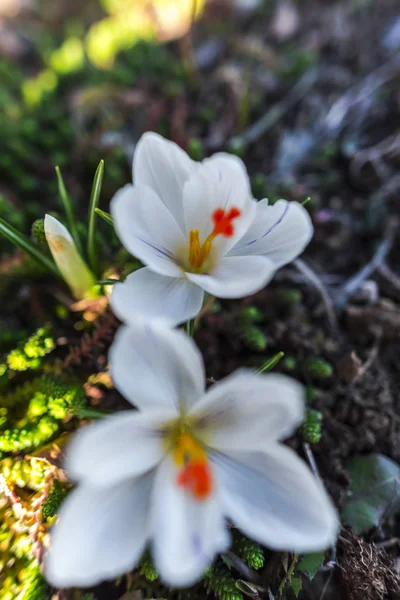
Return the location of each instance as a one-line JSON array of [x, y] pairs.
[[71, 265]]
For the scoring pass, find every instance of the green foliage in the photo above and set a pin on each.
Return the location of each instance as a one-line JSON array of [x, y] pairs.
[[317, 368], [374, 491], [296, 62], [289, 296], [311, 563], [147, 568], [38, 131], [47, 401], [19, 570], [24, 473], [258, 185], [220, 581], [271, 363], [92, 217], [249, 333], [24, 244], [196, 149], [308, 566], [31, 435], [250, 552], [29, 585], [30, 355], [9, 214], [34, 586], [54, 499], [38, 233], [312, 426], [289, 363], [296, 585], [312, 393]]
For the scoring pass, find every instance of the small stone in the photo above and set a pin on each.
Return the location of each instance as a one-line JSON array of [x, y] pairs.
[[350, 367]]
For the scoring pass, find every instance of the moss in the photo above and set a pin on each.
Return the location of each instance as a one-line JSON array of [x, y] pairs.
[[249, 551], [32, 434], [249, 333], [24, 473], [37, 409], [147, 568], [29, 356], [318, 369], [221, 582], [38, 234], [312, 426], [54, 499]]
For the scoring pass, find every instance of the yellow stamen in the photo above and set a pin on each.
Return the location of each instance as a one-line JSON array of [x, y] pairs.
[[198, 253], [188, 450], [223, 225]]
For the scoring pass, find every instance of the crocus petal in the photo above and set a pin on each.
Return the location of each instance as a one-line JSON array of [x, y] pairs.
[[236, 276], [101, 533], [247, 411], [153, 366], [274, 499], [187, 533], [119, 447], [280, 231], [164, 167], [67, 258], [220, 182], [147, 295], [147, 229]]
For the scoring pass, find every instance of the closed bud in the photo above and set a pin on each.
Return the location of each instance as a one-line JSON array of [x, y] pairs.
[[67, 258]]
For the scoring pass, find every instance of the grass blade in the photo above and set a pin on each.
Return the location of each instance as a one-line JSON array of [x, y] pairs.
[[271, 363], [94, 200], [68, 209], [23, 243], [105, 215]]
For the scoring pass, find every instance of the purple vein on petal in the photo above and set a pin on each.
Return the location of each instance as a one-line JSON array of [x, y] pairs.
[[277, 222], [164, 252]]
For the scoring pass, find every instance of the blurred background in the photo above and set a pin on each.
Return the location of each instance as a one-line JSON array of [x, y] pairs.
[[305, 90]]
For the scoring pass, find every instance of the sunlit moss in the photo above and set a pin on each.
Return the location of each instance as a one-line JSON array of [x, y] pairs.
[[35, 88], [69, 57], [130, 23], [29, 356], [108, 37]]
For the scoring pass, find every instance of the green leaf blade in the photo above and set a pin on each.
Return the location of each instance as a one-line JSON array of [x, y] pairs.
[[94, 201], [23, 243], [271, 363], [68, 209], [105, 216]]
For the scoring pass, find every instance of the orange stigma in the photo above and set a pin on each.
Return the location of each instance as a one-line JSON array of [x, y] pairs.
[[195, 474], [196, 479], [223, 225]]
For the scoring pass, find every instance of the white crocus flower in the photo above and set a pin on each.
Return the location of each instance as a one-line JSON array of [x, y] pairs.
[[170, 473], [197, 228], [72, 267]]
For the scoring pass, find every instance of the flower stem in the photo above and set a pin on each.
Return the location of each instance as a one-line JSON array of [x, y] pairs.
[[190, 328]]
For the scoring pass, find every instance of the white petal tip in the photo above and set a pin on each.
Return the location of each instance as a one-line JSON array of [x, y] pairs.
[[53, 227]]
